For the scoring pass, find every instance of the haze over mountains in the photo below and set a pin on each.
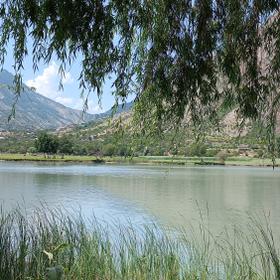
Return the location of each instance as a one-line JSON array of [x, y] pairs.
[[37, 112]]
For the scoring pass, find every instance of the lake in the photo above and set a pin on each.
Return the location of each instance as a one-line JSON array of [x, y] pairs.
[[174, 196]]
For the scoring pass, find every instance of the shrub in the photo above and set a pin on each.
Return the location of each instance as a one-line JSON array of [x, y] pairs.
[[211, 152], [80, 150], [196, 149], [123, 151], [65, 145], [109, 150], [31, 150], [260, 153], [222, 156]]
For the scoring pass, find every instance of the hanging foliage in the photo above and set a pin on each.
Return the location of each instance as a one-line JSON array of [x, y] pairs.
[[179, 57]]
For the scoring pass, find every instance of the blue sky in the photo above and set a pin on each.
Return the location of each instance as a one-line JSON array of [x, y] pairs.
[[46, 82]]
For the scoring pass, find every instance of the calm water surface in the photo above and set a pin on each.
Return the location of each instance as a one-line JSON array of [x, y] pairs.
[[167, 195]]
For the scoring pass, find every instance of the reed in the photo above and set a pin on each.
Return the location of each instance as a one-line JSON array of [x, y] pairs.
[[50, 243]]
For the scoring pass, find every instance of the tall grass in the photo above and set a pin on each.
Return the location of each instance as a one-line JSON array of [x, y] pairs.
[[50, 242]]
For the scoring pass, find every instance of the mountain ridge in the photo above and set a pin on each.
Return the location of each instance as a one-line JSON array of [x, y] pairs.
[[37, 112]]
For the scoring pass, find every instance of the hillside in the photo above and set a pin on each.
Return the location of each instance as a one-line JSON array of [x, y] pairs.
[[120, 137], [98, 133], [123, 139], [34, 111]]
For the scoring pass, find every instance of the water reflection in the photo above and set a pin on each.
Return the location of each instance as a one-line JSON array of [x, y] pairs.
[[171, 195]]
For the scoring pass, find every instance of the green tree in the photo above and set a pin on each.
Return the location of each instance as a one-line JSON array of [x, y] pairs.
[[196, 149], [31, 150], [46, 143], [177, 56], [123, 150], [109, 150], [65, 145]]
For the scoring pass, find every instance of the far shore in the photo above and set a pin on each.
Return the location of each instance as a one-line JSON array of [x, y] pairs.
[[171, 160]]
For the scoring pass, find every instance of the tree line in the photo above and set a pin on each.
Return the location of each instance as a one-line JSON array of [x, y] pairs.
[[49, 143], [52, 144]]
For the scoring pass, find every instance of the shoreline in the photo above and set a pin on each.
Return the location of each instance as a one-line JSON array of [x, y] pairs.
[[160, 160]]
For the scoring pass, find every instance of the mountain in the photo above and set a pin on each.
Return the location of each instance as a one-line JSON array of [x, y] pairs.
[[119, 109], [35, 111]]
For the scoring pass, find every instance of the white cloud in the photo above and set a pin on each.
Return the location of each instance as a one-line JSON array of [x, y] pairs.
[[47, 83], [67, 79], [67, 101], [93, 108]]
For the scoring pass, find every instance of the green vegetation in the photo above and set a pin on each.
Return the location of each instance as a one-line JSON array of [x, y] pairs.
[[49, 143], [45, 157], [197, 149], [178, 58], [108, 150], [173, 160], [46, 143], [52, 243], [182, 60], [105, 140], [65, 145]]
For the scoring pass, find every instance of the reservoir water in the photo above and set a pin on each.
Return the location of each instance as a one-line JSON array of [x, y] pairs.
[[140, 194]]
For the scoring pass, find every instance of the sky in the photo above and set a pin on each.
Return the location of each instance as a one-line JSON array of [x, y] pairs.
[[46, 82]]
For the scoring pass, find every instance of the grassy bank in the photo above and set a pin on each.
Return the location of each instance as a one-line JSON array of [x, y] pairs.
[[52, 243], [177, 160]]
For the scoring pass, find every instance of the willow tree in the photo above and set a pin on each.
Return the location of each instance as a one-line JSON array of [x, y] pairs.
[[179, 57]]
